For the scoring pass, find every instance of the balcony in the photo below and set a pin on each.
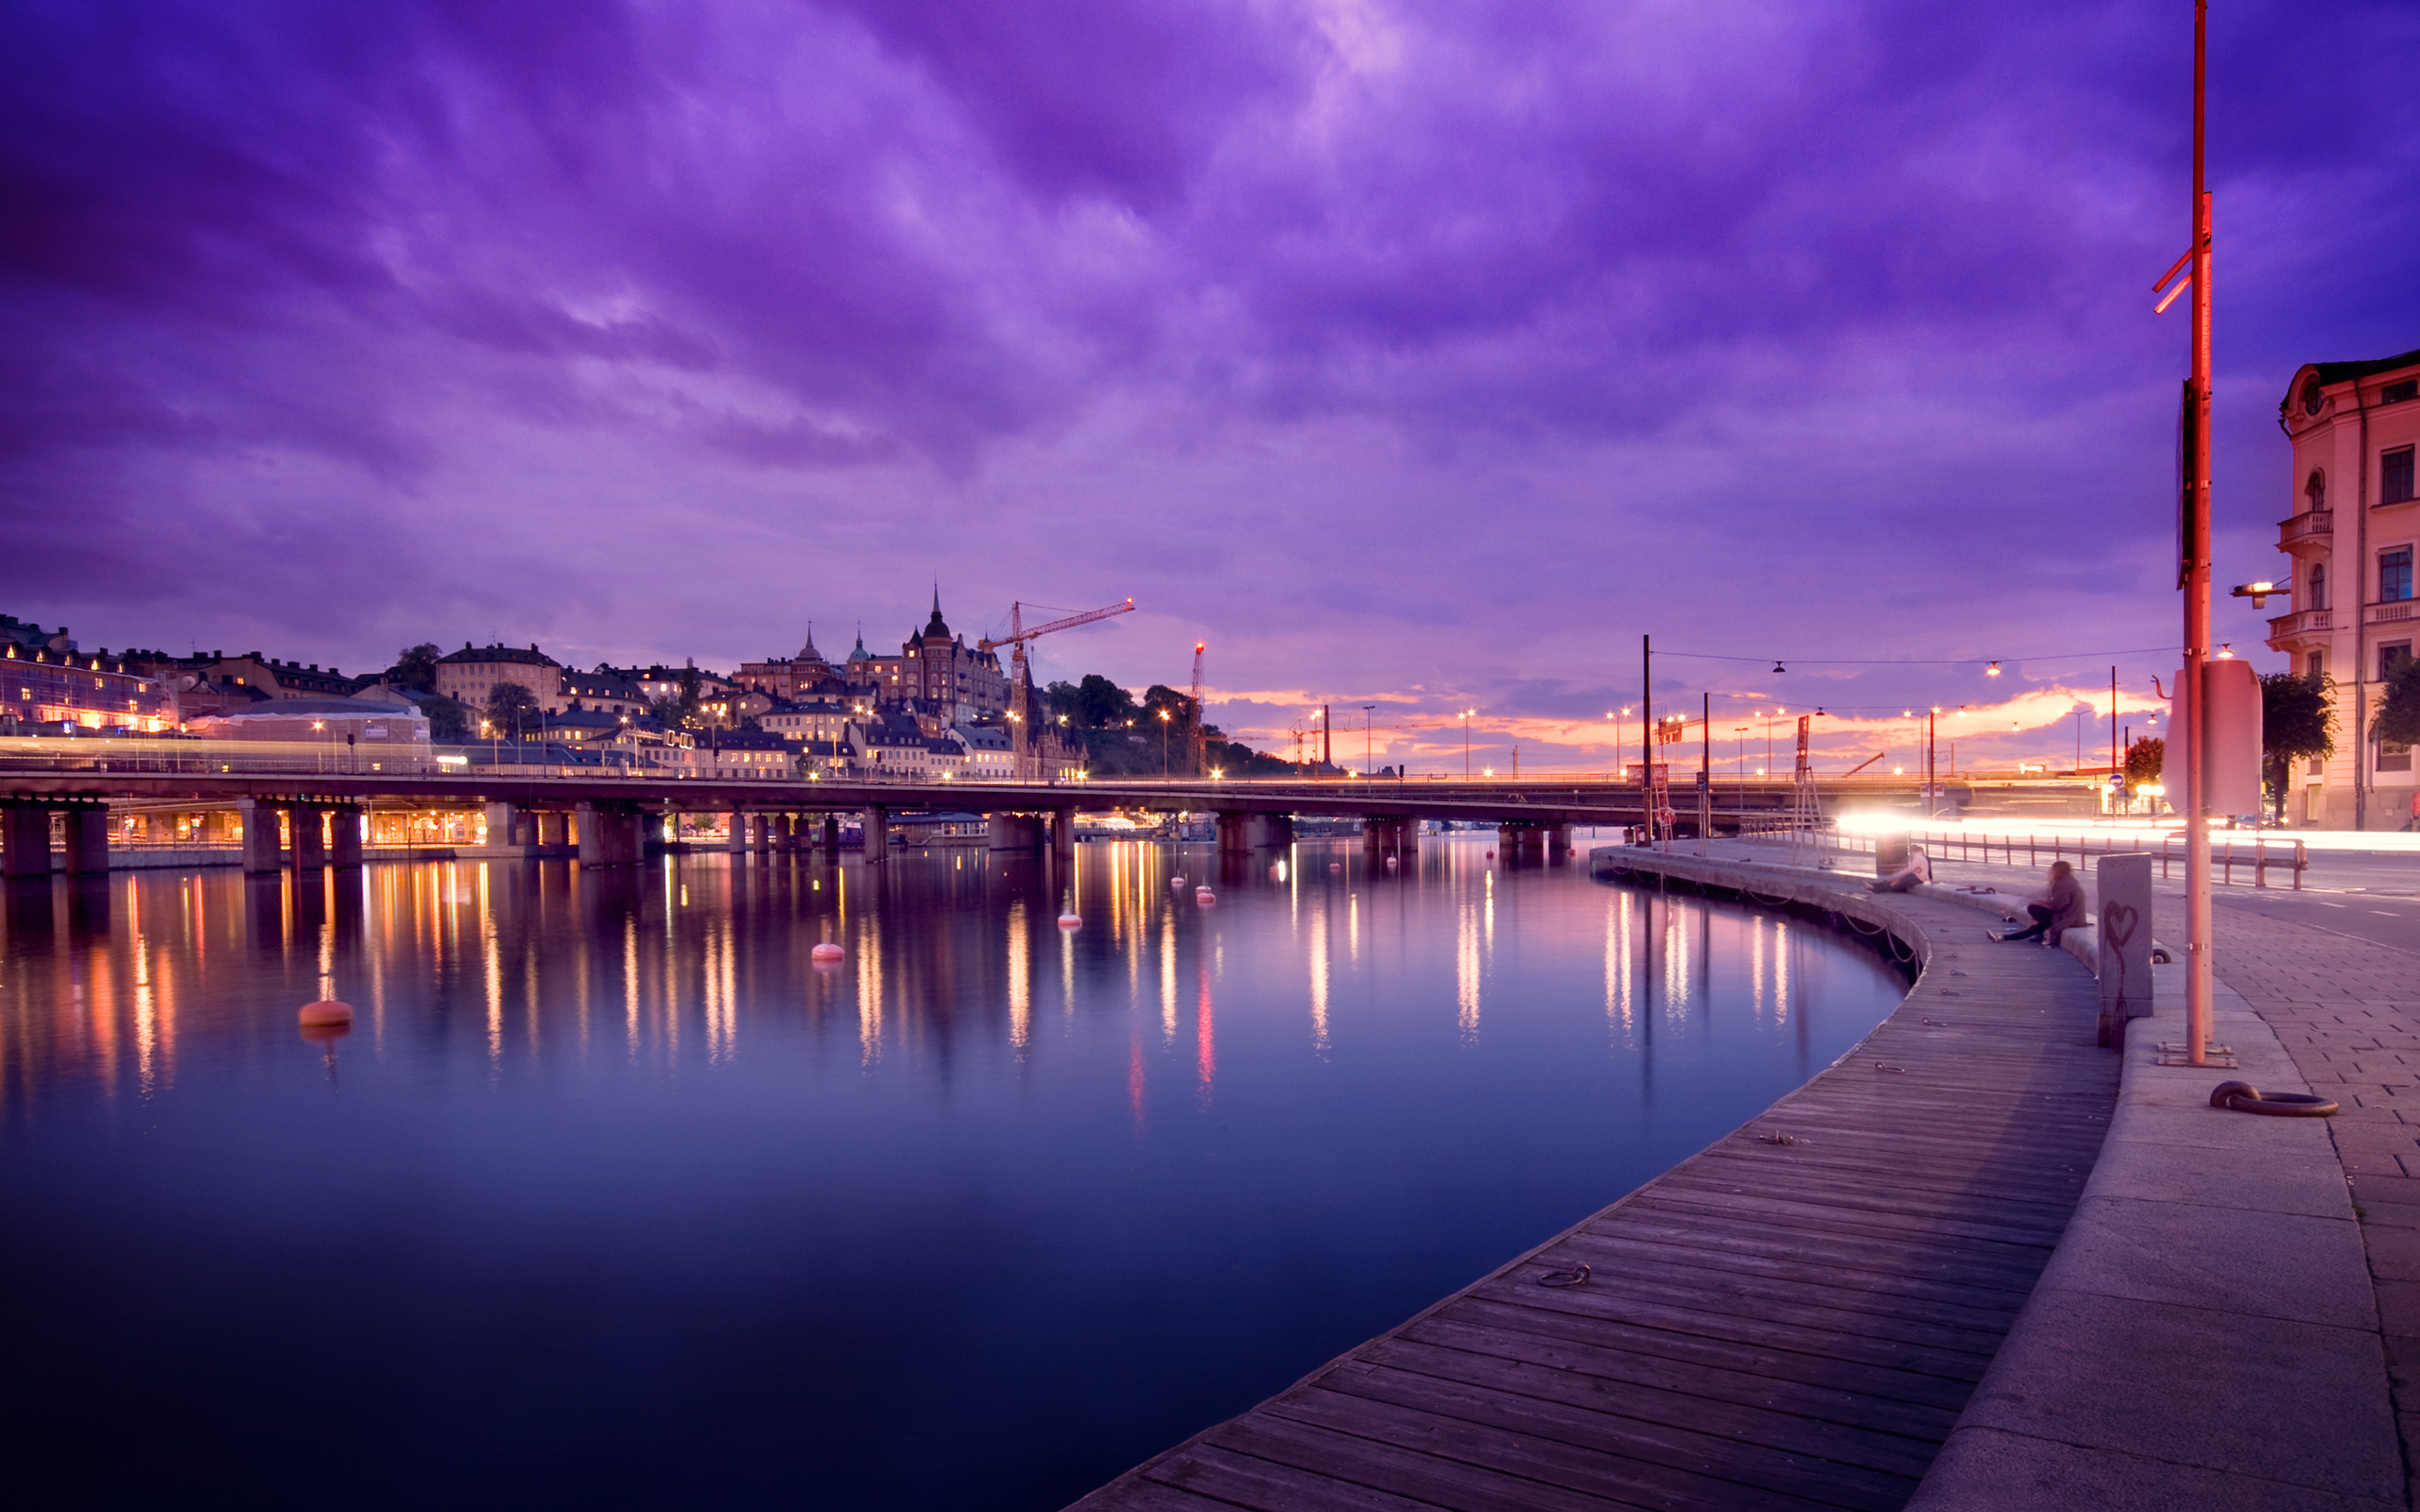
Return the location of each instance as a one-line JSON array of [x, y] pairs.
[[2407, 609], [2310, 622], [2317, 525]]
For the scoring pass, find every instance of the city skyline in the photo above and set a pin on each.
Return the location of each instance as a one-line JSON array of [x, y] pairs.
[[1415, 358]]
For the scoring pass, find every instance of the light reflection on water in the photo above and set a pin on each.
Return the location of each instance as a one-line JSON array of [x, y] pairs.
[[612, 1192]]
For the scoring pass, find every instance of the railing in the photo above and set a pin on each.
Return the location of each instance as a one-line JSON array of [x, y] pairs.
[[1941, 843], [2302, 623], [2388, 613], [2303, 527]]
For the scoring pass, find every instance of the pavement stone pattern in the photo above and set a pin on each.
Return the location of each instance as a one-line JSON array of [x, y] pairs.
[[2348, 1012]]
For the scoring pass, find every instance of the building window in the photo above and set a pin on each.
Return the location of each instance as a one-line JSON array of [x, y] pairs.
[[2394, 574], [2400, 393], [2318, 598], [2315, 664], [2316, 490], [2394, 476], [2391, 657]]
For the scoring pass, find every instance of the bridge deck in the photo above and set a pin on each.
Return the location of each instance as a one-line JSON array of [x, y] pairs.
[[1767, 1326]]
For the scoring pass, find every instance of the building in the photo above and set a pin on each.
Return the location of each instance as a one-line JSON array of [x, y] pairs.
[[937, 676], [2350, 535], [472, 674], [819, 720], [61, 691], [603, 691], [364, 734]]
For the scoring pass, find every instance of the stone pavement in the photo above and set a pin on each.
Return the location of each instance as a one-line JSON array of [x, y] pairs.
[[2346, 1010]]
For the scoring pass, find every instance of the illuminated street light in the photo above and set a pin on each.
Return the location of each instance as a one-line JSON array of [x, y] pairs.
[[2258, 593]]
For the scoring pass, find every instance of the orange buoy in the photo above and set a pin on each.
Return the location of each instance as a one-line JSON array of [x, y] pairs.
[[325, 1011], [1071, 920], [826, 954]]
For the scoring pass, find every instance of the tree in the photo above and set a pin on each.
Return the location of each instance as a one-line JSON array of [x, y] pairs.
[[415, 669], [449, 720], [2297, 720], [1101, 704], [2398, 716], [687, 707], [2144, 758], [511, 708], [665, 710]]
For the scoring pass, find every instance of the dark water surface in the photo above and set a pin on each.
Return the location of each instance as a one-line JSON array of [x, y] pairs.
[[611, 1197]]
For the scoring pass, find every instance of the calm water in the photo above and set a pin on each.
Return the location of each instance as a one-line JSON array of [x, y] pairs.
[[611, 1197]]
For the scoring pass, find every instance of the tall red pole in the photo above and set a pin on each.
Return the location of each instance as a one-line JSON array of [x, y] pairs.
[[2198, 988]]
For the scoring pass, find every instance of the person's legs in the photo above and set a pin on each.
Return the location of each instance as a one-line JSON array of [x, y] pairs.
[[2041, 913]]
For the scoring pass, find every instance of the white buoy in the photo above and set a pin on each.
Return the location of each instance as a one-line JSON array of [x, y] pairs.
[[325, 1011], [1392, 861], [1071, 920], [826, 954], [1204, 896]]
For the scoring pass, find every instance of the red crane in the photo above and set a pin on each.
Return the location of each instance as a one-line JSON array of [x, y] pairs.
[[1020, 716], [1200, 737]]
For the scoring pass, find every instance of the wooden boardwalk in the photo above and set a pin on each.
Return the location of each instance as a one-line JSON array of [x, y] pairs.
[[1766, 1325]]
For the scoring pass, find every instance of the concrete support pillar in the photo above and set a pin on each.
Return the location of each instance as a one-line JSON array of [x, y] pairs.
[[261, 845], [1389, 834], [1531, 840], [610, 835], [1063, 834], [88, 841], [760, 833], [551, 827], [1013, 831], [26, 830], [503, 824], [1239, 832], [344, 835], [878, 834], [309, 851], [832, 834], [785, 828], [735, 833]]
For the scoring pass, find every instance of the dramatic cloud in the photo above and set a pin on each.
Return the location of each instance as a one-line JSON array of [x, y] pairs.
[[1426, 354]]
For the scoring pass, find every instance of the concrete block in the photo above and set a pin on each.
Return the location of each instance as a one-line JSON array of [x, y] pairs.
[[2134, 1377], [2241, 1260], [2258, 1174], [1989, 1470]]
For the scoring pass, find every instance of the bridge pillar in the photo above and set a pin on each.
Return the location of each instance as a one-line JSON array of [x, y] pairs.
[[546, 827], [832, 834], [1063, 834], [503, 824], [344, 835], [262, 850], [1385, 835], [1013, 831], [309, 851], [1254, 832], [878, 834], [26, 830], [735, 833], [1532, 840], [610, 834], [760, 833], [88, 840]]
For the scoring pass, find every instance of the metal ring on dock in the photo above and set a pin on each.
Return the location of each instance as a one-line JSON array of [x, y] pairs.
[[1577, 1275], [2245, 1098]]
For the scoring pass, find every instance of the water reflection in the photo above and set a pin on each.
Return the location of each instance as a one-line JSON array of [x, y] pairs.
[[624, 1116]]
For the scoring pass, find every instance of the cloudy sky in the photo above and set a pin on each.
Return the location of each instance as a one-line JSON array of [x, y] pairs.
[[1416, 355]]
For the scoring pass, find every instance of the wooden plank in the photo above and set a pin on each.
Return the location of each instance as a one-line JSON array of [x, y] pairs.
[[1766, 1327]]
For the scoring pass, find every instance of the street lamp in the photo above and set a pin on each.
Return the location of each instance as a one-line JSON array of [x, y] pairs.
[[1466, 743], [1366, 767], [1164, 744], [2258, 593]]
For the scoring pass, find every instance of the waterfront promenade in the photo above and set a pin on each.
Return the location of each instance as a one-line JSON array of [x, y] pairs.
[[2208, 1309], [1794, 1318]]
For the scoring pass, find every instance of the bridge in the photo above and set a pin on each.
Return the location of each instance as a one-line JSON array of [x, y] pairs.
[[609, 815]]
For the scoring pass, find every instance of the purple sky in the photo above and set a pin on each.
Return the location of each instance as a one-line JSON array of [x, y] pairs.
[[1416, 355]]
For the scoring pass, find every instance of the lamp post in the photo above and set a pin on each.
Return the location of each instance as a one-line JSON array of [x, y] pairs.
[[1466, 743], [1366, 758], [1164, 744]]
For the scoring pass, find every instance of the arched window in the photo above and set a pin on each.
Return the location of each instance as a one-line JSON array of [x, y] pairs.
[[2316, 490], [2318, 586]]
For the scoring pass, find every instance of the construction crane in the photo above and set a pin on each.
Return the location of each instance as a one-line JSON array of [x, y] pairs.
[[1020, 716], [1200, 738]]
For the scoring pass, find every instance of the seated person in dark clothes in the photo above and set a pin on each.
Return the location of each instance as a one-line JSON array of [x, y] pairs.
[[2056, 909], [1907, 878]]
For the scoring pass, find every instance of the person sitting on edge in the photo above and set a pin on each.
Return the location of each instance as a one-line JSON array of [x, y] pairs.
[[1907, 878], [2056, 909]]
